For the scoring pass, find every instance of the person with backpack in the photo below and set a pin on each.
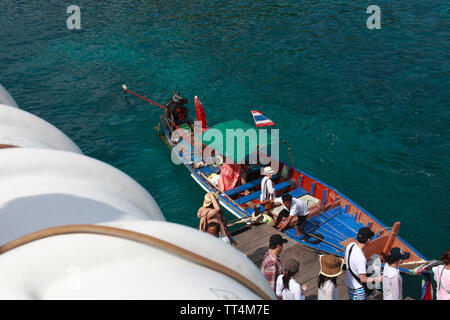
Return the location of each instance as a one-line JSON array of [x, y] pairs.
[[356, 273]]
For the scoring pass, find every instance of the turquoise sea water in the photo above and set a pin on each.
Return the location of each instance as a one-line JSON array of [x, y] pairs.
[[366, 111]]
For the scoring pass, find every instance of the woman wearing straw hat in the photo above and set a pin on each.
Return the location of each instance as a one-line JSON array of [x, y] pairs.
[[210, 212], [286, 287], [330, 269]]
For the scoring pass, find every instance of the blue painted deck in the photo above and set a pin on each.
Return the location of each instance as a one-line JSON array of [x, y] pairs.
[[341, 226]]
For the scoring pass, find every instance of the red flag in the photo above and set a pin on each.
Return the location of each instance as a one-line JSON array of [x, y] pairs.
[[200, 113]]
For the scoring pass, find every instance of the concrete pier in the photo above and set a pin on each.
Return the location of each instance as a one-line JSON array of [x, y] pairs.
[[253, 241]]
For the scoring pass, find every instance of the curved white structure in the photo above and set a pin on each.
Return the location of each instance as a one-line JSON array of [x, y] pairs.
[[91, 266], [22, 129], [47, 185], [46, 188], [5, 98]]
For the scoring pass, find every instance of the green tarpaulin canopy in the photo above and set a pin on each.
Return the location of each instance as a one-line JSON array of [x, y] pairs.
[[237, 140]]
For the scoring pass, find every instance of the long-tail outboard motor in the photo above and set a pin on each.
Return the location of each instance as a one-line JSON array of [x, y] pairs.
[[177, 109]]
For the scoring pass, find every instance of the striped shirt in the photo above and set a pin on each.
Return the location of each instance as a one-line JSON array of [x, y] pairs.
[[356, 294], [271, 268]]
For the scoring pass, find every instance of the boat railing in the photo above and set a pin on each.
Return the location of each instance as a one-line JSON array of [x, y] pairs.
[[384, 243], [381, 230]]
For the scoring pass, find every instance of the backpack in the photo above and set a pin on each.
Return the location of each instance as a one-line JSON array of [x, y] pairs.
[[366, 289]]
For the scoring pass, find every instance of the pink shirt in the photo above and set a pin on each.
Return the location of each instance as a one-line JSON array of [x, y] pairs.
[[442, 278]]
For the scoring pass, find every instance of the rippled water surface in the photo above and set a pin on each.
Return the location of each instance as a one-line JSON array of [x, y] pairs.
[[366, 111]]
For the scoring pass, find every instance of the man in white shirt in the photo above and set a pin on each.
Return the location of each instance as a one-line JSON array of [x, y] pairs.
[[356, 273], [297, 210]]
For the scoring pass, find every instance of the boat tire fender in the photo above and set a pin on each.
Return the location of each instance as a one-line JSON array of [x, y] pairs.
[[313, 240]]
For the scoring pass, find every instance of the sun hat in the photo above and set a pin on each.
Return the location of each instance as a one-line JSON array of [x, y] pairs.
[[364, 234], [397, 254], [218, 161], [291, 266], [207, 200], [330, 265], [267, 170]]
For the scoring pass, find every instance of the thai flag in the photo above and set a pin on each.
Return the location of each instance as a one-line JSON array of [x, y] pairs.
[[261, 120]]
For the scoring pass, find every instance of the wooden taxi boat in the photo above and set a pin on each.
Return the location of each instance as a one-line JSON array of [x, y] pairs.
[[334, 219]]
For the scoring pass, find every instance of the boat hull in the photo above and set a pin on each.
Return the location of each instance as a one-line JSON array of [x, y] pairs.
[[327, 232]]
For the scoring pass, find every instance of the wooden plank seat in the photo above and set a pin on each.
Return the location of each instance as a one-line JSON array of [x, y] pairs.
[[256, 194], [248, 185], [207, 170], [297, 193], [251, 210]]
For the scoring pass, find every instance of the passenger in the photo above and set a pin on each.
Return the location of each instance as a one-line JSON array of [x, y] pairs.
[[243, 175], [330, 269], [233, 175], [271, 266], [442, 277], [356, 262], [267, 188], [392, 280], [287, 288], [298, 212], [213, 228], [229, 176], [211, 212]]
